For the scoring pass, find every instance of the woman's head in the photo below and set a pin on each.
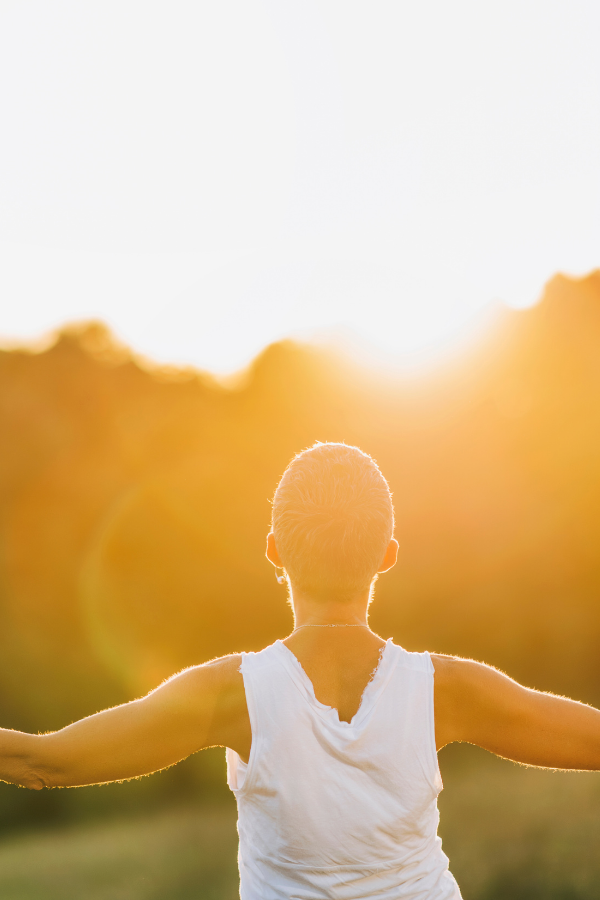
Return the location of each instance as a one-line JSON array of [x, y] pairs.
[[333, 520]]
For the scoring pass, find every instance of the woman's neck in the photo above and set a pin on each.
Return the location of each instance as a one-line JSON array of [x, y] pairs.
[[323, 611]]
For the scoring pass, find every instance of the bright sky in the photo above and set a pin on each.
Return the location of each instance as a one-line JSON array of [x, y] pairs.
[[210, 176]]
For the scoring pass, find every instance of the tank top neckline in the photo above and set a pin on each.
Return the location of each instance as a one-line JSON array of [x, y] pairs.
[[373, 689]]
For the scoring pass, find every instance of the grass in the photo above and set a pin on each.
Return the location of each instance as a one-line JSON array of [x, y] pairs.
[[511, 834], [181, 854]]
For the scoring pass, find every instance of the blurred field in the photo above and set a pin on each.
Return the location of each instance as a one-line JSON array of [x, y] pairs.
[[511, 834], [515, 833], [183, 854]]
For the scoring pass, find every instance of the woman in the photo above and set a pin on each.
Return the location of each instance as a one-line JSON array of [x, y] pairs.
[[332, 733]]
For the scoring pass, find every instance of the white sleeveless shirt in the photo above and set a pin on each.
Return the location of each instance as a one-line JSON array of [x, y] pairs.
[[331, 809]]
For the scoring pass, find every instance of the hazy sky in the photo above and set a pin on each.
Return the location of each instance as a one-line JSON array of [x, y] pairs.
[[210, 176]]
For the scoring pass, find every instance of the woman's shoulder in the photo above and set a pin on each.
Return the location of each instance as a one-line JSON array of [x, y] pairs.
[[457, 671]]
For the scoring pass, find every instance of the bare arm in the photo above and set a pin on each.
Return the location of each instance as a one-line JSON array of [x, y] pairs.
[[480, 705], [201, 707]]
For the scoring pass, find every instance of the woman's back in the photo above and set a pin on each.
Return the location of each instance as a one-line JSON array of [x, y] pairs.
[[339, 806]]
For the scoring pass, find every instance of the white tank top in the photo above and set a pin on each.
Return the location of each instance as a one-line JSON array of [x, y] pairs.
[[331, 809]]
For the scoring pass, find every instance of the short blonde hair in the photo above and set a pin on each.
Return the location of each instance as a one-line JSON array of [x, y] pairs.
[[333, 519]]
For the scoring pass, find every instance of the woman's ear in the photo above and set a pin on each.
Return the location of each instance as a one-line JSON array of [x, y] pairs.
[[391, 555], [272, 553]]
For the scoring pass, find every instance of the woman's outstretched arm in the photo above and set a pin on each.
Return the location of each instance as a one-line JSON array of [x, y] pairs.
[[201, 707], [478, 704]]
